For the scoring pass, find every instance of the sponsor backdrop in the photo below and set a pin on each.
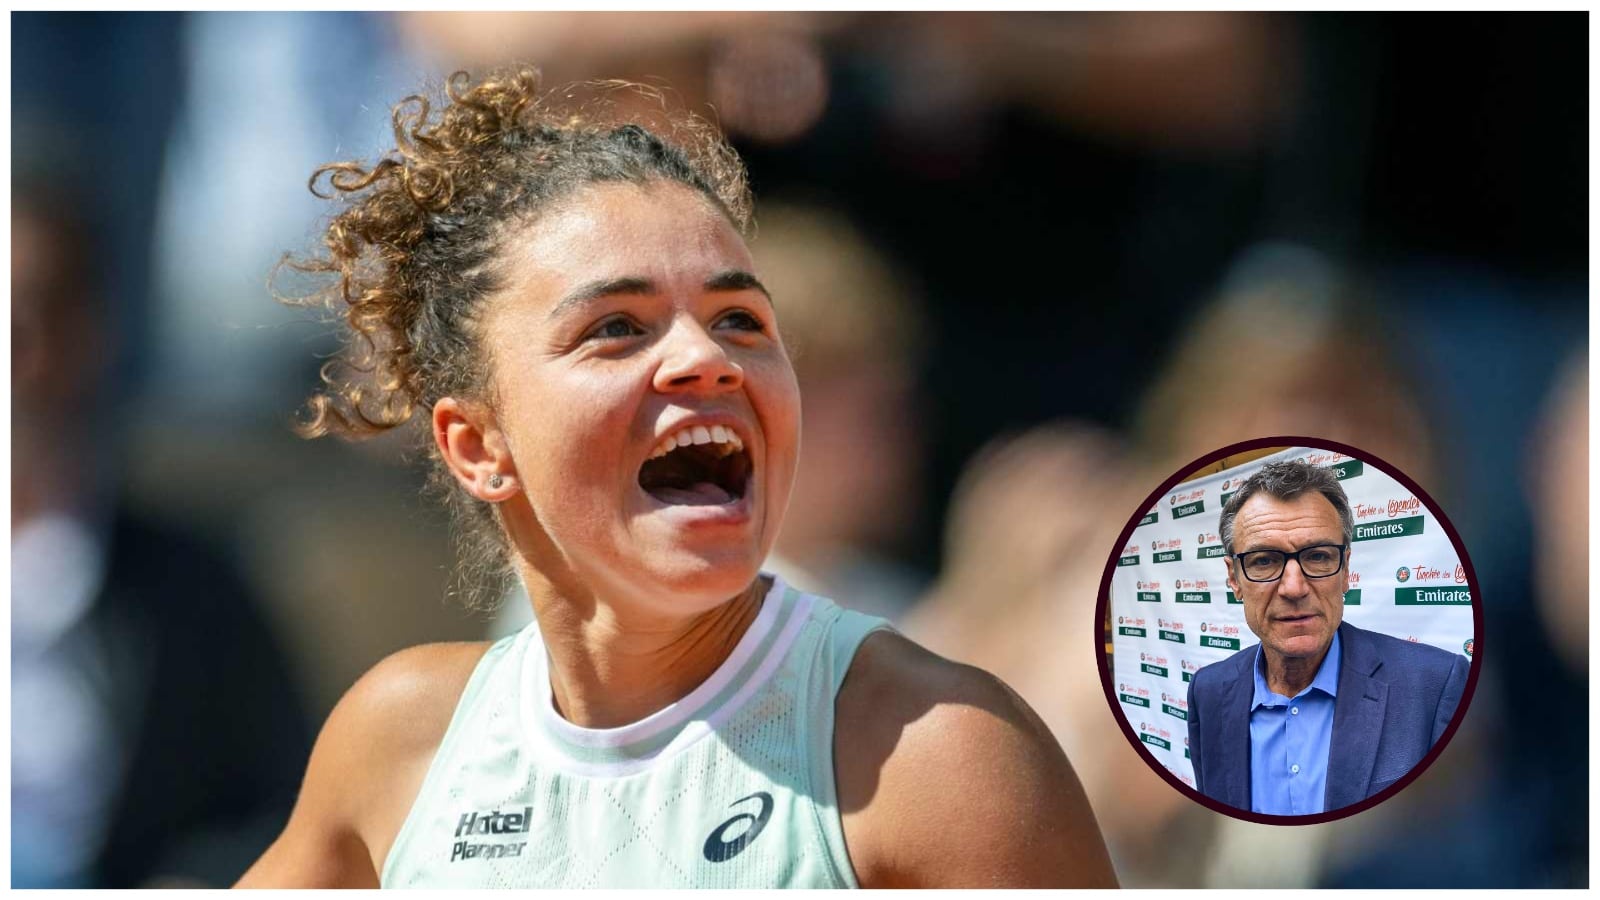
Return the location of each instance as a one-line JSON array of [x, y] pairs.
[[1172, 611]]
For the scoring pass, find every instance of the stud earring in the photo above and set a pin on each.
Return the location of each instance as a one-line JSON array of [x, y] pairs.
[[495, 481]]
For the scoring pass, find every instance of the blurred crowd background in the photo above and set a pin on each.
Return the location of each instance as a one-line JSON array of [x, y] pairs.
[[1031, 264]]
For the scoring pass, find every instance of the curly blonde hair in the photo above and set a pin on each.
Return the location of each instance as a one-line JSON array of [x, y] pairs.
[[410, 254]]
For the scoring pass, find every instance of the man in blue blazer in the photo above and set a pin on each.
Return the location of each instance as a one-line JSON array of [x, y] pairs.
[[1320, 714]]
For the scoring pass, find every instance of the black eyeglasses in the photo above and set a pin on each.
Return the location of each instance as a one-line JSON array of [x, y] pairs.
[[1315, 562]]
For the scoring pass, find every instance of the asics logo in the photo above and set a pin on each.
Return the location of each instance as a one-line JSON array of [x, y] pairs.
[[718, 849]]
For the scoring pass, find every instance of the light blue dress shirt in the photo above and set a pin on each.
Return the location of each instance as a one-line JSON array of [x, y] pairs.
[[1289, 738]]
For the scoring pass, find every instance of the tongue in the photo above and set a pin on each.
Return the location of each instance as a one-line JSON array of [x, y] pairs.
[[701, 493]]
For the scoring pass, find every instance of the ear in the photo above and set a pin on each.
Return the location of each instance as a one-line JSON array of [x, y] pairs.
[[1233, 585], [474, 449]]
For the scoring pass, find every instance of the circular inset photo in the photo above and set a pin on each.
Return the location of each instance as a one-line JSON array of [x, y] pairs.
[[1292, 630]]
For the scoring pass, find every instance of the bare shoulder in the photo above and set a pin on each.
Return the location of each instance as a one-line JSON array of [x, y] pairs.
[[947, 778], [366, 769], [409, 697]]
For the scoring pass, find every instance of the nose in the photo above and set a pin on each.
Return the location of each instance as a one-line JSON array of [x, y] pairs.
[[1292, 584], [693, 360]]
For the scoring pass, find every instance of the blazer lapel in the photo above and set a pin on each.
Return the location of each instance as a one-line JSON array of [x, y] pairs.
[[1235, 739], [1357, 721]]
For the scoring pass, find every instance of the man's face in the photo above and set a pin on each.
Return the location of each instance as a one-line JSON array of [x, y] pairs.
[[1295, 616]]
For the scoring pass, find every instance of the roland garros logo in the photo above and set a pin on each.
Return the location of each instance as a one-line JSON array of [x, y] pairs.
[[1172, 544], [1224, 630], [1325, 458], [1193, 584], [1206, 537], [1147, 585], [1154, 659]]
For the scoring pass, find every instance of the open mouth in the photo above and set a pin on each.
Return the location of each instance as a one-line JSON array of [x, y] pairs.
[[697, 466]]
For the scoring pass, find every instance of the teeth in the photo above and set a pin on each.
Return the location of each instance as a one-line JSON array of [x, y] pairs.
[[699, 434]]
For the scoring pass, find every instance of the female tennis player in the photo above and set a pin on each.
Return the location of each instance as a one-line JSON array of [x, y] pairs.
[[573, 307]]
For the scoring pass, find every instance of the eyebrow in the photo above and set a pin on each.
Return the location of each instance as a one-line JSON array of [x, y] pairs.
[[1296, 550], [736, 280], [605, 287], [724, 281]]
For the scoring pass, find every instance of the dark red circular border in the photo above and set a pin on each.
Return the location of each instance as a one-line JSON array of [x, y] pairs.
[[1103, 659]]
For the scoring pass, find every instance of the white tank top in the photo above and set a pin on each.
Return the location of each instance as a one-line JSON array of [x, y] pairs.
[[730, 787]]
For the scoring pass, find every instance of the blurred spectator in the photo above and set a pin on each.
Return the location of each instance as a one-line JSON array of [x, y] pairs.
[[1558, 473], [759, 74], [854, 331], [76, 80], [319, 85], [155, 733], [1288, 348], [1032, 522]]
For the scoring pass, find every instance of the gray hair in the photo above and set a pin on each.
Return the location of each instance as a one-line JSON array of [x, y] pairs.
[[1287, 480]]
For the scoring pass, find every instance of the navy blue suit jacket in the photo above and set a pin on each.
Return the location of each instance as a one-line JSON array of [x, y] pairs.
[[1395, 699]]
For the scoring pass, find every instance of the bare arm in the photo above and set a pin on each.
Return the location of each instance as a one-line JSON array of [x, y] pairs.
[[947, 779], [366, 769]]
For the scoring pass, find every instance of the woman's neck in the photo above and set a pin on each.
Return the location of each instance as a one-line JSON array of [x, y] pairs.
[[609, 669]]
